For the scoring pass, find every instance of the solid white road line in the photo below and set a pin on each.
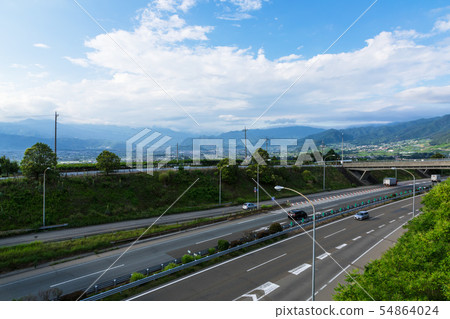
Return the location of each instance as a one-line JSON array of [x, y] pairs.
[[338, 274], [356, 238], [95, 273], [204, 241], [341, 246], [267, 262], [299, 269], [334, 233]]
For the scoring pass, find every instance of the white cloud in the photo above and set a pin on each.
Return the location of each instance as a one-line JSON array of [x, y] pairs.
[[442, 25], [41, 45], [247, 5], [226, 88], [78, 61]]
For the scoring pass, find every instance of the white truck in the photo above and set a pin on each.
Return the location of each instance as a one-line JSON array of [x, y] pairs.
[[436, 178], [390, 181]]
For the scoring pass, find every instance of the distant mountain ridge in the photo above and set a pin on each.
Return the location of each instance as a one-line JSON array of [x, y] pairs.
[[437, 129], [18, 136]]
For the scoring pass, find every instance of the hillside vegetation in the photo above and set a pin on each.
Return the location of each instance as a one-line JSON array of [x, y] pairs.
[[418, 266], [88, 200]]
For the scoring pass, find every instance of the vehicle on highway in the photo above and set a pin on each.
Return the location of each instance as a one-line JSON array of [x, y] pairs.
[[249, 206], [390, 181], [362, 215], [435, 178], [296, 214]]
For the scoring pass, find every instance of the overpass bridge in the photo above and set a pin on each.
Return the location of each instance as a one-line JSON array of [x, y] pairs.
[[405, 164]]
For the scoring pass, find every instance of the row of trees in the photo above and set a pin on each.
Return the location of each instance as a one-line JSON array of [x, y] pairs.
[[40, 156]]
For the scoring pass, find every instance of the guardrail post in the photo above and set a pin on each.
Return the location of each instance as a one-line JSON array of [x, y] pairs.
[[147, 271], [115, 282], [96, 288]]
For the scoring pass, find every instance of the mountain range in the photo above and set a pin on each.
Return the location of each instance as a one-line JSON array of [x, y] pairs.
[[17, 136]]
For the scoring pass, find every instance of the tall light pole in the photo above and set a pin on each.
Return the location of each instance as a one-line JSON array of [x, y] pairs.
[[342, 159], [43, 200], [414, 187], [324, 164], [257, 186], [220, 184], [313, 279]]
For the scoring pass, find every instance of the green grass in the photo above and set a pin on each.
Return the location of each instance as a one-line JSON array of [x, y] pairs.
[[89, 200], [33, 254]]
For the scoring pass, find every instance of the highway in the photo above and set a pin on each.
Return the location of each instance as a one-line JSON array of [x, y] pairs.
[[80, 273], [71, 233], [282, 271]]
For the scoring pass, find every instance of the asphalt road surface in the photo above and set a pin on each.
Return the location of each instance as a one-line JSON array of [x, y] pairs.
[[282, 271], [80, 273]]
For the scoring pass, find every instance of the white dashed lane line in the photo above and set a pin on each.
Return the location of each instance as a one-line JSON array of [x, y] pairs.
[[341, 246], [356, 238], [392, 221], [381, 226], [323, 256], [370, 231]]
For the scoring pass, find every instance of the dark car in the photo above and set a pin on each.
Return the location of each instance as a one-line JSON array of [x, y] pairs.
[[296, 214]]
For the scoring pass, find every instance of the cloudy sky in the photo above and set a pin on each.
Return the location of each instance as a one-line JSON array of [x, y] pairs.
[[217, 65]]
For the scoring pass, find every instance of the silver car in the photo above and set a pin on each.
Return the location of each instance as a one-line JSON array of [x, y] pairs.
[[362, 215], [249, 206]]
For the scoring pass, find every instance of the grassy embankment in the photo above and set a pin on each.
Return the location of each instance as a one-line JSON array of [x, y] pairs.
[[89, 200]]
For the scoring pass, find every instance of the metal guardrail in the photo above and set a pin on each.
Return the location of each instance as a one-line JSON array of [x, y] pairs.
[[287, 229]]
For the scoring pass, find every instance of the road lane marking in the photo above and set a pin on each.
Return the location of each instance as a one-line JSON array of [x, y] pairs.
[[267, 262], [356, 238], [370, 231], [406, 206], [381, 226], [341, 246], [254, 252], [401, 217], [392, 221], [260, 292], [354, 261], [334, 233], [204, 241], [338, 274], [323, 256], [379, 215], [262, 228], [246, 221], [65, 282], [410, 213], [323, 287], [299, 269]]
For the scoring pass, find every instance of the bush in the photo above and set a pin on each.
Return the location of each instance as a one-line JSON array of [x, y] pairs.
[[187, 259], [262, 234], [275, 228], [170, 266], [211, 250], [234, 243], [223, 244], [136, 276]]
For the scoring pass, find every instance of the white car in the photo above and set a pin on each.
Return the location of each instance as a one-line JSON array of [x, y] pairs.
[[249, 206]]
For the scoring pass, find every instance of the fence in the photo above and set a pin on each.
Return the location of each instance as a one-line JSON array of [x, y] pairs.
[[320, 218]]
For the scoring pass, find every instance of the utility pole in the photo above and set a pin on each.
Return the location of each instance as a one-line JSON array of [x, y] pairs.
[[56, 133], [245, 142], [177, 153], [342, 159]]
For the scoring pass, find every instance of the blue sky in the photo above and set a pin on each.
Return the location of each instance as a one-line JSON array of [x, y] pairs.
[[218, 65]]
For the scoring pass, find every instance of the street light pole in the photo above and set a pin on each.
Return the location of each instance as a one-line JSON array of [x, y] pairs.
[[220, 184], [43, 200], [313, 279], [257, 186], [414, 187]]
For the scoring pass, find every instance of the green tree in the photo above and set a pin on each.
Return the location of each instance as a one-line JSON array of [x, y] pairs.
[[418, 266], [7, 167], [437, 156], [229, 172], [108, 161], [36, 159], [331, 155]]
